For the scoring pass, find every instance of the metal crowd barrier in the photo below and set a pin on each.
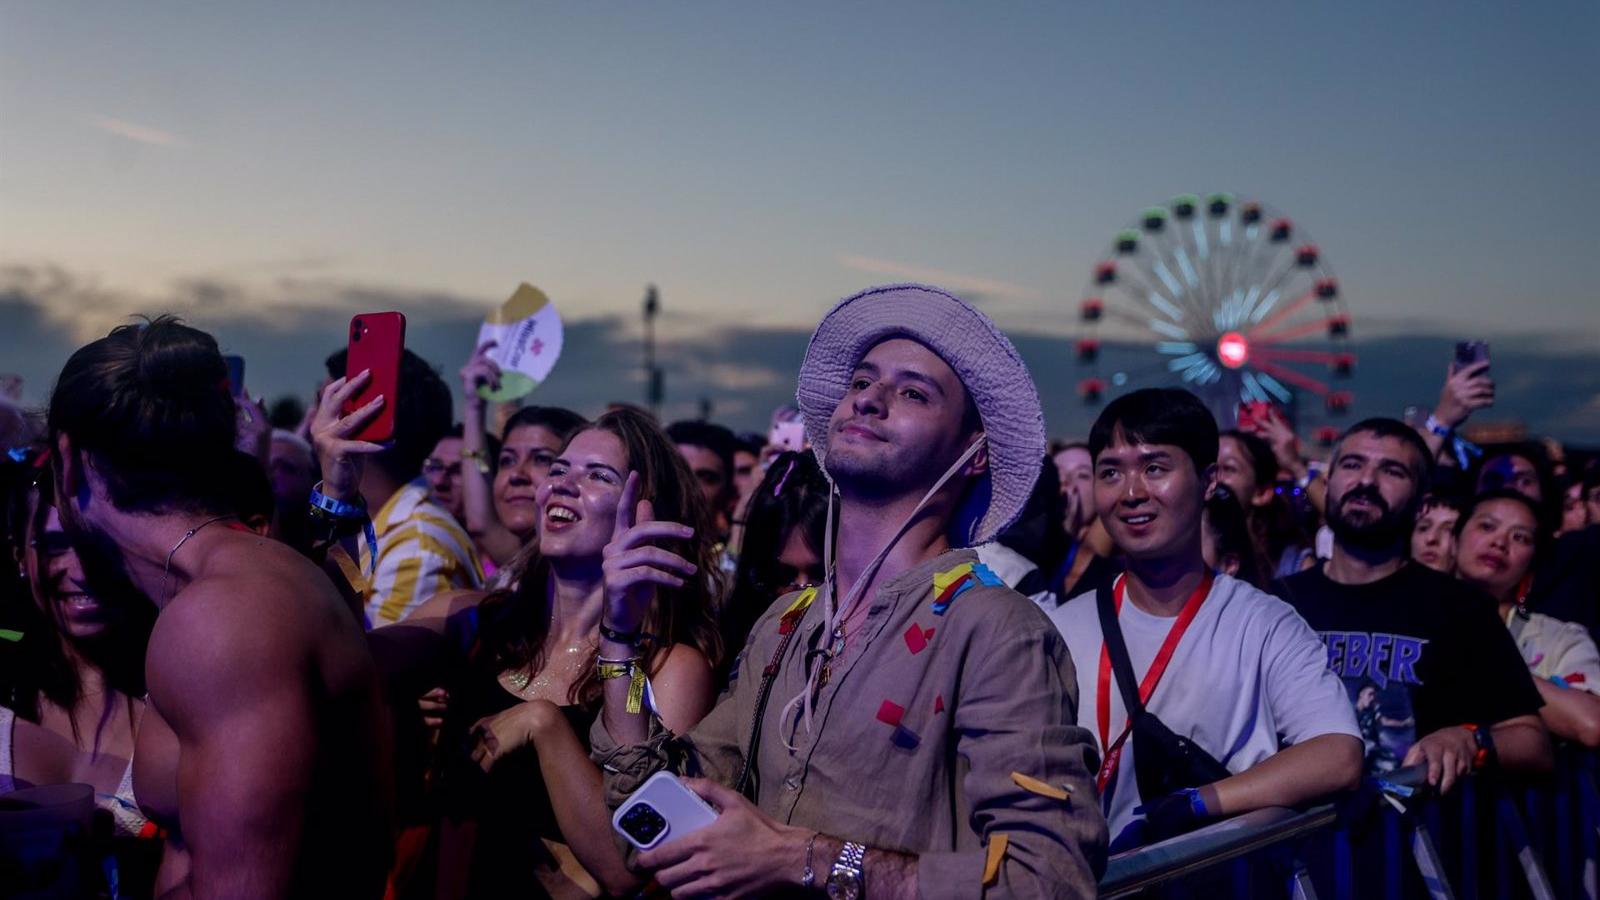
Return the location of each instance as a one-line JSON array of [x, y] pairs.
[[1488, 838]]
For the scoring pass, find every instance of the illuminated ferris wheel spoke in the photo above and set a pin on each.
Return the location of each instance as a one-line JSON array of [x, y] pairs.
[[1275, 387], [1294, 378], [1139, 294], [1143, 290], [1298, 331], [1163, 266], [1283, 313], [1233, 303], [1292, 354]]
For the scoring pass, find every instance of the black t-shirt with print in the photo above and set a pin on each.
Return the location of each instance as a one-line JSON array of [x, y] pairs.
[[1417, 651]]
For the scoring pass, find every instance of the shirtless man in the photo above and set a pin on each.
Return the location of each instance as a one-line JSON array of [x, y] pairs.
[[264, 750]]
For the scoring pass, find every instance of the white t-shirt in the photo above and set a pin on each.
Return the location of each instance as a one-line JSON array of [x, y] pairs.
[[1248, 678]]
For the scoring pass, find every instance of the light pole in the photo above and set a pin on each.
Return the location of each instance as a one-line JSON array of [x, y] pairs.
[[652, 373]]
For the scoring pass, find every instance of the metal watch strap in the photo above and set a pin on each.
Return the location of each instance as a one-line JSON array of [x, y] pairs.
[[848, 865]]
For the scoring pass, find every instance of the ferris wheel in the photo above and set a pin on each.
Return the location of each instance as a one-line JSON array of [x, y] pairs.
[[1230, 300]]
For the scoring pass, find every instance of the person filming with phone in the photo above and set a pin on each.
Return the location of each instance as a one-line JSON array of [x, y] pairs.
[[908, 728], [372, 430], [1468, 387]]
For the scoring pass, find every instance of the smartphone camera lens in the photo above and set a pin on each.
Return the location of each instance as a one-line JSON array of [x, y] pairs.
[[356, 330], [642, 823]]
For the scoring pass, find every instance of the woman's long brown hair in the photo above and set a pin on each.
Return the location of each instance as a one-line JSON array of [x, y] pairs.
[[516, 622]]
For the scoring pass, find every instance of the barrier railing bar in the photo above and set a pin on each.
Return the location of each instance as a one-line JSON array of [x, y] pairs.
[[1428, 863], [1517, 852], [1135, 870], [1469, 844], [1300, 886], [1565, 837], [1527, 856], [1392, 873], [1343, 866]]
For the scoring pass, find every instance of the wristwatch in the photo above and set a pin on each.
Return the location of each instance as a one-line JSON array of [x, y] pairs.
[[844, 882]]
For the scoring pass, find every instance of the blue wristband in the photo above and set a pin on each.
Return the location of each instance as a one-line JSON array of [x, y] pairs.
[[1197, 803], [354, 512], [334, 507]]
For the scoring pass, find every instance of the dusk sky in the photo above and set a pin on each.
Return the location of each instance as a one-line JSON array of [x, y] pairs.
[[269, 169]]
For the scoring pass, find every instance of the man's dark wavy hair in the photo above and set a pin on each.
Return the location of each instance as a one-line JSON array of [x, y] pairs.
[[148, 406]]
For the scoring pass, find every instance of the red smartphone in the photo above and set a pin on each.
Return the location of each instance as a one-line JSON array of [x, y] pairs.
[[377, 341], [1252, 413]]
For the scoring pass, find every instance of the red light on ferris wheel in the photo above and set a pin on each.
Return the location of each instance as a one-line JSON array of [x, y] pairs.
[[1233, 350]]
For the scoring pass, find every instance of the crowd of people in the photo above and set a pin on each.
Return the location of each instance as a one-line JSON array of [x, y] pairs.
[[902, 644]]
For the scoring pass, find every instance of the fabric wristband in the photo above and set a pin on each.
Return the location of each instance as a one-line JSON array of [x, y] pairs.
[[1465, 451], [479, 458], [631, 669], [350, 512]]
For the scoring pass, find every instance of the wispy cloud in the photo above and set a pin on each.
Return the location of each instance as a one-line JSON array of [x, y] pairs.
[[975, 284], [133, 131]]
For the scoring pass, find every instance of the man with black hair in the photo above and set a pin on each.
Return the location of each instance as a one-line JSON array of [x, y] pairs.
[[416, 549], [264, 750], [1446, 671], [709, 449], [1222, 665]]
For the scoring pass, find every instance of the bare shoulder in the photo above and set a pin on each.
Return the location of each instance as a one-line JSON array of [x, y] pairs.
[[257, 614], [682, 661]]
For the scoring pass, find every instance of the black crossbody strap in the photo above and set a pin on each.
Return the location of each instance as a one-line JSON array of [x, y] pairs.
[[1111, 633]]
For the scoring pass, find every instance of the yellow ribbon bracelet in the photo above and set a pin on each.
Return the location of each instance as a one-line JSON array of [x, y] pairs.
[[626, 669]]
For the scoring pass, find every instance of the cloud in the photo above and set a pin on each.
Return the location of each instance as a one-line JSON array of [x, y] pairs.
[[955, 281], [286, 328], [133, 131]]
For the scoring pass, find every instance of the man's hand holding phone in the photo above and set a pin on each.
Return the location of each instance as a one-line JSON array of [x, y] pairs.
[[332, 435], [1468, 386], [741, 852]]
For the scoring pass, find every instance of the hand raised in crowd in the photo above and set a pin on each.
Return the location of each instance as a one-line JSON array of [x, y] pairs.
[[1465, 392], [254, 435], [343, 459], [633, 565], [494, 737], [481, 369], [1448, 754], [1279, 434], [434, 705], [744, 853]]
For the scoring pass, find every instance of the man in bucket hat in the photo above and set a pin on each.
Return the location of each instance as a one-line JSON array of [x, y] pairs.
[[928, 746]]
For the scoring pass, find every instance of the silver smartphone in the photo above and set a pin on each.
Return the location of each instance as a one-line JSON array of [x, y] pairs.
[[661, 811]]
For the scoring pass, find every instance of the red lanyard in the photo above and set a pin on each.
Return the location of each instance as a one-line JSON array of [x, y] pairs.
[[1158, 667]]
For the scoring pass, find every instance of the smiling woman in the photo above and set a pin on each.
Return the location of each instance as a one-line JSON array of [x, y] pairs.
[[71, 705], [513, 778]]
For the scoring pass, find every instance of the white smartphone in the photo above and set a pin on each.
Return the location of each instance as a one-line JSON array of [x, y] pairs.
[[661, 810]]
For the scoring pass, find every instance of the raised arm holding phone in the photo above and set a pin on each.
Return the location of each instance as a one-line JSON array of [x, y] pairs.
[[1468, 387]]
